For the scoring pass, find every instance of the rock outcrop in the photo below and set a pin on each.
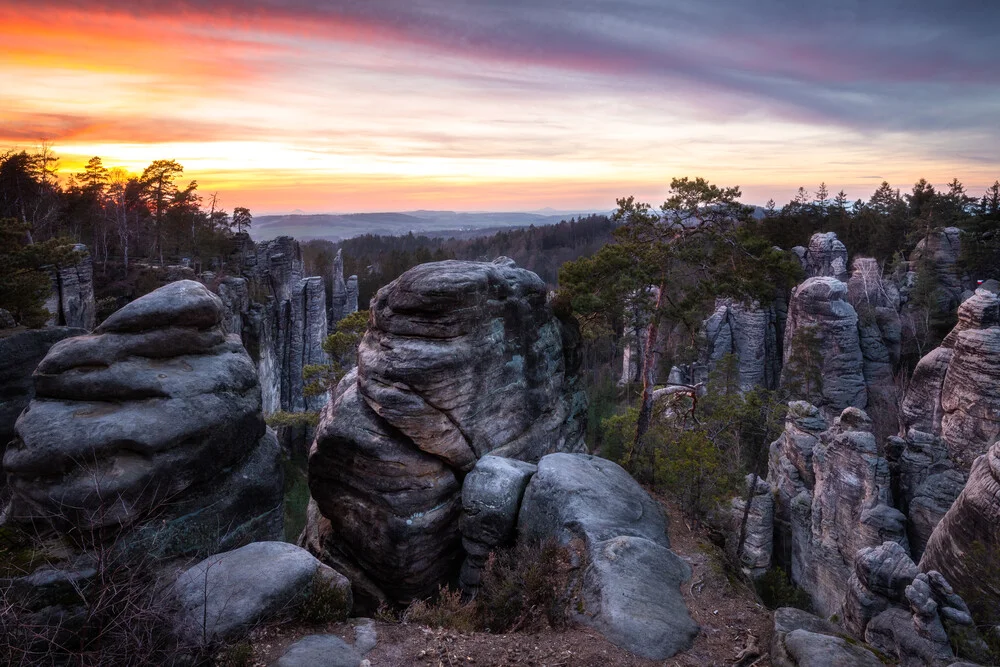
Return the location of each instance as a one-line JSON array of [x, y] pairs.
[[965, 545], [833, 499], [751, 334], [460, 360], [630, 590], [803, 640], [955, 389], [227, 594], [71, 302], [941, 250], [343, 294], [823, 362], [825, 256], [758, 543], [491, 500], [157, 414]]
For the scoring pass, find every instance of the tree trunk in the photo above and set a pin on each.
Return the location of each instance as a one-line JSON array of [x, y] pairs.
[[649, 361]]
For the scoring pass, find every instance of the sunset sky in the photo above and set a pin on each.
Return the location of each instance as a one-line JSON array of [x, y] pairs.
[[377, 105]]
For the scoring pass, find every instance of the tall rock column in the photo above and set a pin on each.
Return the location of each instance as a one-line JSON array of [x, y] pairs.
[[460, 360], [71, 302]]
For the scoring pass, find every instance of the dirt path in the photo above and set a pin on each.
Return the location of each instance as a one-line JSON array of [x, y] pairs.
[[726, 610]]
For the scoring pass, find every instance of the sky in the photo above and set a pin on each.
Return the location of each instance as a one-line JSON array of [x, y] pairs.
[[379, 105]]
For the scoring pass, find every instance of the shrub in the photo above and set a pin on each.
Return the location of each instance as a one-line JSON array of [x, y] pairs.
[[777, 590], [325, 603], [447, 610]]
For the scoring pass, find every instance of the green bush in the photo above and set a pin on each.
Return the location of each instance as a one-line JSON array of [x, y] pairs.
[[777, 590]]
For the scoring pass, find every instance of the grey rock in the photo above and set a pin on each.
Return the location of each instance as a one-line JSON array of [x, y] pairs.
[[881, 575], [491, 498], [758, 544], [750, 334], [943, 249], [789, 619], [365, 635], [352, 296], [155, 411], [393, 508], [876, 302], [631, 595], [630, 588], [319, 651], [810, 649], [227, 594], [819, 305], [338, 291], [964, 544], [825, 256], [235, 295], [583, 496], [302, 330], [7, 320], [933, 499], [467, 359], [922, 409], [71, 302], [893, 632], [460, 360]]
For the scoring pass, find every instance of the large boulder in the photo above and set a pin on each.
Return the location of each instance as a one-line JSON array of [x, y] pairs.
[[158, 413], [823, 361], [460, 360], [227, 594], [803, 640], [491, 500], [965, 545], [630, 589], [467, 359]]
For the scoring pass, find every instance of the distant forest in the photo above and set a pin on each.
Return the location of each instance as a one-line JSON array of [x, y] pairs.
[[159, 217]]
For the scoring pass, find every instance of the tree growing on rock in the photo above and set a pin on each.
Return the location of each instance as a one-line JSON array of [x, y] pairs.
[[24, 283], [702, 243]]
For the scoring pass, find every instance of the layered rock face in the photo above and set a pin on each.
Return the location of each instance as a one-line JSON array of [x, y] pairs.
[[156, 414], [285, 327], [965, 545], [942, 249], [825, 256], [71, 302], [955, 389], [822, 350], [461, 359], [343, 294], [833, 499], [880, 332], [752, 335]]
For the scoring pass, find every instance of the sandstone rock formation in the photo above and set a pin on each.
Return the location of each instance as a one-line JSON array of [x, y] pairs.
[[71, 302], [833, 499], [752, 335], [965, 545], [942, 249], [955, 389], [461, 359], [158, 414], [825, 256], [227, 594], [823, 361], [491, 500], [343, 294], [803, 640], [630, 587], [758, 544]]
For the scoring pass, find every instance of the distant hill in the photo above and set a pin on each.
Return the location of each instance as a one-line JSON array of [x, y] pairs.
[[335, 227]]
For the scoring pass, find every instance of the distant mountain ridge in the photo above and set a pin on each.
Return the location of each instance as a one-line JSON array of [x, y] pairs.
[[336, 227]]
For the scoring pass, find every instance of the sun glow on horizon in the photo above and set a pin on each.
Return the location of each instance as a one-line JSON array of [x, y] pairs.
[[326, 112]]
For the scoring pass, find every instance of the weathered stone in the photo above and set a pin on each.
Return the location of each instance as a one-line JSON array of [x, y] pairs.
[[320, 651], [156, 413], [810, 649], [393, 508], [789, 619], [467, 358], [881, 575], [954, 390], [826, 256], [758, 543], [942, 249], [631, 583], [750, 334], [631, 595], [491, 498], [964, 546], [229, 593], [818, 309], [338, 291], [71, 302]]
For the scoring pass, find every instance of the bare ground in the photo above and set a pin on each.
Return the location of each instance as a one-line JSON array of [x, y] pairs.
[[735, 628]]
